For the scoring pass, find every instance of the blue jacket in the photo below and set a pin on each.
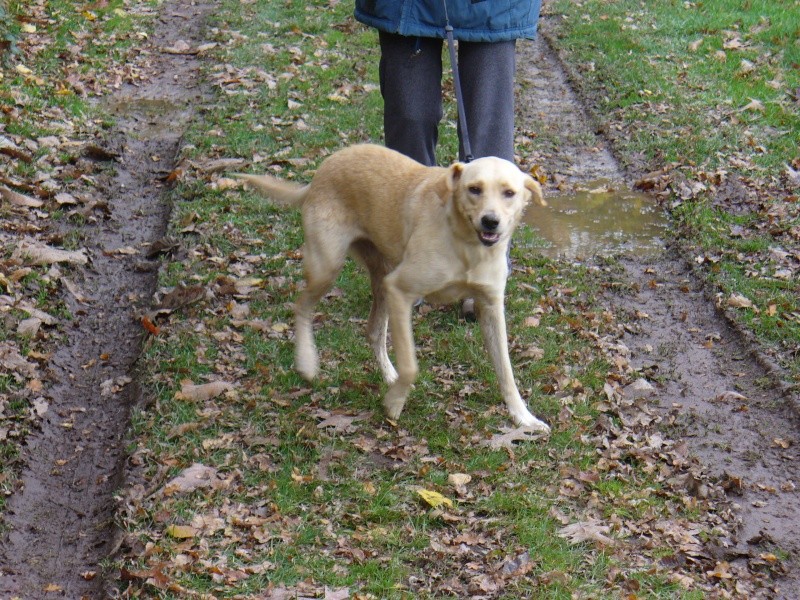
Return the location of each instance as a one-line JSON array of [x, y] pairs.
[[472, 20]]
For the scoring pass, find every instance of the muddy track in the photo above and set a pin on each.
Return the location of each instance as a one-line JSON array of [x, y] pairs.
[[717, 391], [61, 521]]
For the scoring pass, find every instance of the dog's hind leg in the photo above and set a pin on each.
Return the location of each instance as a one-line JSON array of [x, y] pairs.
[[378, 314], [493, 329], [399, 304], [321, 263]]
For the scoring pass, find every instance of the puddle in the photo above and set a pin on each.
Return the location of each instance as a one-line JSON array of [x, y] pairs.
[[599, 219], [126, 105]]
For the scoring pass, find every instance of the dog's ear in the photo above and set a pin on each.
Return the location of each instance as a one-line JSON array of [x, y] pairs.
[[535, 189], [455, 171], [449, 180]]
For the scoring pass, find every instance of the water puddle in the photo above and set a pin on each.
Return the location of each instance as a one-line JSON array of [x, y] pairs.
[[147, 117], [599, 218]]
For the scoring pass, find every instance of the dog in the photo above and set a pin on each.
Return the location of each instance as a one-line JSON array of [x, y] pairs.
[[436, 233]]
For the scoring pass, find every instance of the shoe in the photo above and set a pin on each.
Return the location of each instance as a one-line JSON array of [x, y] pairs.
[[468, 309]]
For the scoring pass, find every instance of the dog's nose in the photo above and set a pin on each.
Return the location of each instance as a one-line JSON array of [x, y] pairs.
[[490, 222]]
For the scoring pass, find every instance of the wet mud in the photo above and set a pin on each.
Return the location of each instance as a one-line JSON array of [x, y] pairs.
[[719, 397], [60, 523], [712, 387], [717, 391], [599, 218]]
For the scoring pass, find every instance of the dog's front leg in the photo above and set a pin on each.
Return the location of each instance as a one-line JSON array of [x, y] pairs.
[[493, 328], [376, 330], [399, 305]]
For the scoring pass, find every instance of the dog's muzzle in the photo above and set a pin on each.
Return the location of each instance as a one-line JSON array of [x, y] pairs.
[[488, 233]]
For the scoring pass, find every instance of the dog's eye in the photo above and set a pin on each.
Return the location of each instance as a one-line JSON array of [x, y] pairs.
[[475, 189], [509, 193]]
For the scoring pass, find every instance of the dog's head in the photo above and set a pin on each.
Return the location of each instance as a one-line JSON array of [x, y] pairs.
[[490, 194]]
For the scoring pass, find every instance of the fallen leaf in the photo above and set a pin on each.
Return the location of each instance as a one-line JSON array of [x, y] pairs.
[[124, 251], [587, 531], [19, 199], [434, 499], [731, 396], [532, 321], [34, 253], [739, 301], [29, 327], [340, 594], [113, 386], [753, 106], [533, 352], [41, 406], [459, 479], [509, 436], [721, 571], [13, 362], [746, 67], [181, 296], [202, 392], [339, 422], [180, 47], [641, 388], [150, 326], [181, 532], [196, 477], [246, 285], [76, 292], [65, 199], [733, 44], [218, 165]]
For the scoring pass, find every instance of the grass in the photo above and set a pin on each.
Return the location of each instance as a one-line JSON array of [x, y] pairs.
[[305, 506], [42, 47], [707, 88]]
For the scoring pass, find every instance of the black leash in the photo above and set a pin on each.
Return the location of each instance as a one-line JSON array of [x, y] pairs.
[[462, 119]]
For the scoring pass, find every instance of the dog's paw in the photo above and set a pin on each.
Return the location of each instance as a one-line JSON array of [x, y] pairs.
[[393, 403], [390, 376], [307, 365], [531, 422]]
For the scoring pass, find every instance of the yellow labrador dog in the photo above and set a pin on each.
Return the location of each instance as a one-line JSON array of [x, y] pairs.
[[422, 232]]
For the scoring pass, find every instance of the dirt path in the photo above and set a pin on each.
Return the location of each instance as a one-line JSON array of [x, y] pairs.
[[61, 522], [723, 397]]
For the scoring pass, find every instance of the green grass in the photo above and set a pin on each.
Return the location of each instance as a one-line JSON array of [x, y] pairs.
[[338, 508], [305, 508], [683, 78], [50, 40]]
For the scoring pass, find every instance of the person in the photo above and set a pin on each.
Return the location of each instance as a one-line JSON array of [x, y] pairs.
[[411, 34]]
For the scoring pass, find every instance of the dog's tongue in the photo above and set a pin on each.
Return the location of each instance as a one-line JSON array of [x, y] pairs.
[[489, 238]]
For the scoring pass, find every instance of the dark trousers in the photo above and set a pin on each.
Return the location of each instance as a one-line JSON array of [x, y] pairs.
[[411, 86]]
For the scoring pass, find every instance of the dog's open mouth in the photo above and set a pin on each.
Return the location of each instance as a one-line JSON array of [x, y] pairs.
[[489, 238]]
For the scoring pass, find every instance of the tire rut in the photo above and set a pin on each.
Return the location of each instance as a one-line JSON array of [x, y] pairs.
[[60, 522], [717, 390]]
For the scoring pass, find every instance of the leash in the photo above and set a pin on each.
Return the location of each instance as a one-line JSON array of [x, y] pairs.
[[462, 119]]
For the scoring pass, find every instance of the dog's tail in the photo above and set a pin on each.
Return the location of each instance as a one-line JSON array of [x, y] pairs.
[[282, 192]]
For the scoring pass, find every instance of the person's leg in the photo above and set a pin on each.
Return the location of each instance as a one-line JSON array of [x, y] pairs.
[[487, 71], [411, 85]]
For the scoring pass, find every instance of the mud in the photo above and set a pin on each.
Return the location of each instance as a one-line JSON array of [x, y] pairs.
[[61, 521], [715, 389], [599, 217], [711, 386], [725, 404]]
